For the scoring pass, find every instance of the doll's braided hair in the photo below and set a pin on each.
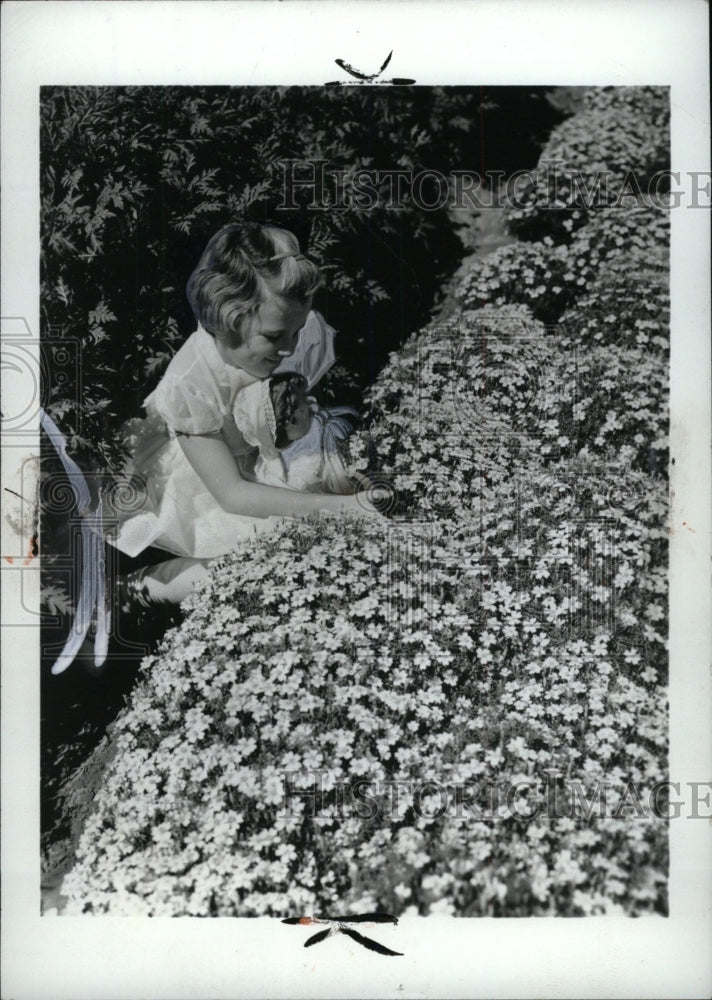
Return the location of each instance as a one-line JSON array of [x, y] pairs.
[[285, 389]]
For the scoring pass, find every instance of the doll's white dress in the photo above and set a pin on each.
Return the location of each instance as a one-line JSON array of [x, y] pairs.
[[312, 464], [161, 501]]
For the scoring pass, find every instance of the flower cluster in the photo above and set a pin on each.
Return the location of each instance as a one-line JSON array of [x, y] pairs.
[[611, 236], [608, 153], [549, 278], [627, 306], [515, 392], [539, 275]]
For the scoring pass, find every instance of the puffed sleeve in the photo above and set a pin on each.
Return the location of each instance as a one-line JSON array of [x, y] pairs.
[[250, 415], [185, 408], [314, 353]]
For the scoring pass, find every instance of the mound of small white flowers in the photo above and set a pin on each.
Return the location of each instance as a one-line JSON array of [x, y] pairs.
[[615, 150], [405, 713], [551, 277]]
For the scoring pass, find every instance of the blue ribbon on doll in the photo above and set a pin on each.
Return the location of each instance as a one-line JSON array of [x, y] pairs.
[[338, 426]]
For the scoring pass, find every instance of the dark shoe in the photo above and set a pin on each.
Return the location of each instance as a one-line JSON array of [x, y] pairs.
[[133, 594]]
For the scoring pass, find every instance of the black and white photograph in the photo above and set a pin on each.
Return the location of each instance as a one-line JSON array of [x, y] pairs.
[[390, 710], [356, 476]]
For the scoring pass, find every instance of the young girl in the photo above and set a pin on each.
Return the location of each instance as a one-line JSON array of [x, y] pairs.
[[251, 294], [299, 442]]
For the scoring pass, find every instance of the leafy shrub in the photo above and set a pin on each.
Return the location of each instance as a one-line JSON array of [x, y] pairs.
[[509, 622], [550, 278], [620, 138]]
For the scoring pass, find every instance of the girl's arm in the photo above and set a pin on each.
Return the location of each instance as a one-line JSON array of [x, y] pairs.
[[360, 480], [212, 460]]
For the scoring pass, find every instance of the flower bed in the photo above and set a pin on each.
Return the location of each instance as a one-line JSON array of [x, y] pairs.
[[485, 680], [498, 389], [461, 708], [503, 627], [619, 140], [550, 278]]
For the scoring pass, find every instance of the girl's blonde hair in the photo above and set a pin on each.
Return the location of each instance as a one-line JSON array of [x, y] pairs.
[[242, 264]]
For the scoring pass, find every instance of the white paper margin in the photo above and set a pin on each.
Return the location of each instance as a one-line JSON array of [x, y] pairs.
[[488, 42]]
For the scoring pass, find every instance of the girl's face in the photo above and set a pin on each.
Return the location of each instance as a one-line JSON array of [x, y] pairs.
[[269, 335], [301, 420]]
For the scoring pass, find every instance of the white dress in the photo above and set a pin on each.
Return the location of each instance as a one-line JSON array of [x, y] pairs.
[[161, 501]]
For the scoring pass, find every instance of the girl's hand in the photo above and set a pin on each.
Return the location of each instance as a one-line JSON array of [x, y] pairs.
[[363, 502]]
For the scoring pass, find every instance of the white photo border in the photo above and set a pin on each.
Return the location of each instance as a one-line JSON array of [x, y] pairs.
[[492, 42]]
